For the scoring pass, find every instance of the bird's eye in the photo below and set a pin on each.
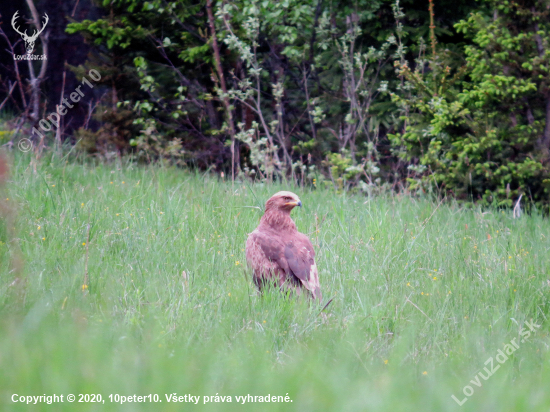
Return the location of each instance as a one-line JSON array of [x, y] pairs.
[[287, 198]]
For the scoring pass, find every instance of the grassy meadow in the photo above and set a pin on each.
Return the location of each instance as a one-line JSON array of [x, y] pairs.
[[423, 295]]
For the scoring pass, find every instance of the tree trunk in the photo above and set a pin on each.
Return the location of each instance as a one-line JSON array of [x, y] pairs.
[[36, 82], [221, 78], [546, 135]]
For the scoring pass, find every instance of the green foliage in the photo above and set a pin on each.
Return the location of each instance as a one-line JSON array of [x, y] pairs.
[[480, 132], [153, 50], [111, 139], [307, 86], [103, 31], [278, 60], [340, 113], [152, 146]]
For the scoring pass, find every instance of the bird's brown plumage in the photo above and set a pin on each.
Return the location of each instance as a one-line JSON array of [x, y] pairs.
[[280, 255]]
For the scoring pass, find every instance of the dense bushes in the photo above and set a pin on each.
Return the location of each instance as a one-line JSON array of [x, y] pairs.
[[347, 93], [484, 131]]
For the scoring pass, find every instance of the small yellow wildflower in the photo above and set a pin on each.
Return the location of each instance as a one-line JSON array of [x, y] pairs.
[[435, 277], [38, 228], [84, 287], [408, 284], [424, 373], [82, 205], [122, 182], [83, 243], [229, 294], [43, 238], [53, 185], [237, 263], [265, 321], [386, 362]]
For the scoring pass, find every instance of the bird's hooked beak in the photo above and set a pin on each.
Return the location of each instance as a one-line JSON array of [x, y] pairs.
[[298, 203]]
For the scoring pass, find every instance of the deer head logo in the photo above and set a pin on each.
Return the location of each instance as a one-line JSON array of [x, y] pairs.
[[29, 40]]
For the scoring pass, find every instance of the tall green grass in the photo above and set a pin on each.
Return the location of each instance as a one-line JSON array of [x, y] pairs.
[[423, 294]]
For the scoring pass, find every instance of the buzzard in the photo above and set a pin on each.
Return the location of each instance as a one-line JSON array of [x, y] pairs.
[[280, 255]]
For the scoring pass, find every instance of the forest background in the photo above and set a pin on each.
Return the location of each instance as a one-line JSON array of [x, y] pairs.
[[439, 96]]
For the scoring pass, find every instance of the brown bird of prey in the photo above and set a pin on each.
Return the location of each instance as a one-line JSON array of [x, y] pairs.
[[280, 255]]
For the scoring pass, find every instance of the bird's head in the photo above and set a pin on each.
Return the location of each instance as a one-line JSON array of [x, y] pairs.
[[283, 201]]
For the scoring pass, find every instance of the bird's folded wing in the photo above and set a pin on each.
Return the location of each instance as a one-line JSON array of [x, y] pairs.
[[301, 260], [272, 247], [294, 256]]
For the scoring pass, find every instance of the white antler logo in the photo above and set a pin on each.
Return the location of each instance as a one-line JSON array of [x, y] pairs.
[[29, 40]]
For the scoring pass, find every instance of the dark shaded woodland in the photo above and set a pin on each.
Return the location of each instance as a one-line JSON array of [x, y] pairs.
[[446, 97]]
